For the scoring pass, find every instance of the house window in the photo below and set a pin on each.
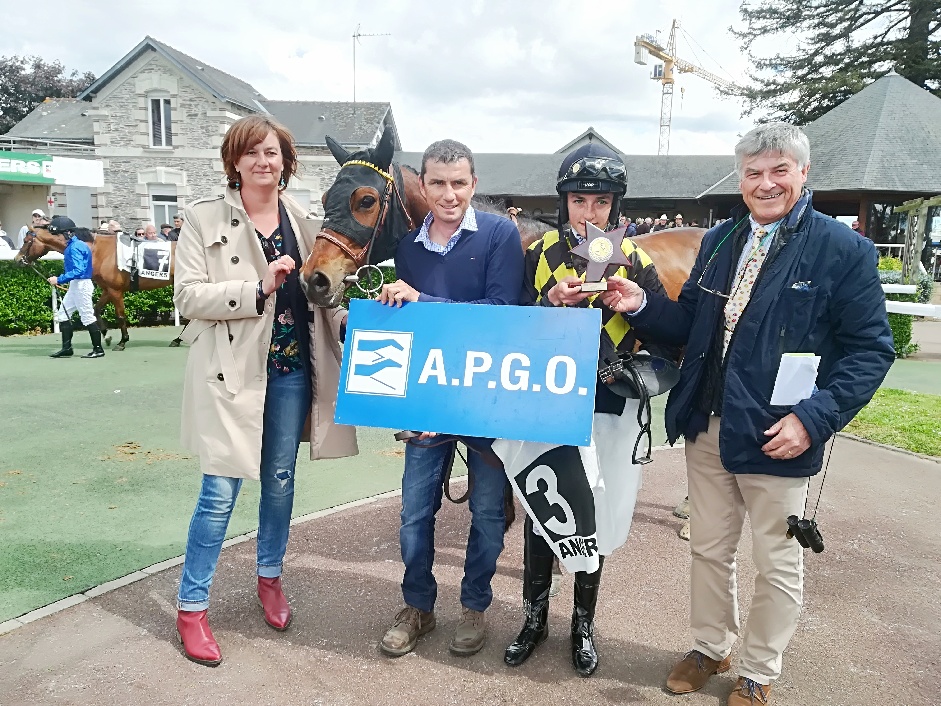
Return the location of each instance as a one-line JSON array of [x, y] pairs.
[[163, 207], [161, 134]]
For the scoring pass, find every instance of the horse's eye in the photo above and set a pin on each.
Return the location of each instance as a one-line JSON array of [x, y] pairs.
[[367, 202]]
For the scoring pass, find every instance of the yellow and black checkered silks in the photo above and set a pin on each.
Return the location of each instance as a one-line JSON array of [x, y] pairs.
[[549, 260]]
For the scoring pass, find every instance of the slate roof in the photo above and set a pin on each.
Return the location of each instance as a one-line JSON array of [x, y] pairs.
[[57, 119], [887, 137], [595, 137], [220, 84], [649, 176], [350, 124]]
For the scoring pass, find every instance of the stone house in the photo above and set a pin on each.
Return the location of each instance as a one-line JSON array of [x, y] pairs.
[[156, 120]]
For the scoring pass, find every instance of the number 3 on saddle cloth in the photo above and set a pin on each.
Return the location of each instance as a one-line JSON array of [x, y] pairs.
[[581, 498]]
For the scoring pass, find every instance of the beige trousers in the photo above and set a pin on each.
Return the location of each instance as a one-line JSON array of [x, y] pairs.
[[718, 502]]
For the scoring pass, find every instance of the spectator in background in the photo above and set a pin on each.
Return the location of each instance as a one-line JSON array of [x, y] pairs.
[[855, 227], [38, 219], [164, 231], [114, 227], [139, 233], [5, 240], [659, 224], [150, 232], [177, 224], [631, 229], [643, 226], [678, 221]]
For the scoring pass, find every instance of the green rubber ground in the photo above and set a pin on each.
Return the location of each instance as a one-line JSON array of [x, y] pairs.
[[93, 482]]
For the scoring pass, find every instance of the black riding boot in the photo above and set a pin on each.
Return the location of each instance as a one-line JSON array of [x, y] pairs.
[[584, 656], [66, 351], [95, 334], [537, 580]]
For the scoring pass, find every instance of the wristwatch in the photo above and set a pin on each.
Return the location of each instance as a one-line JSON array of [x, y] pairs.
[[260, 298]]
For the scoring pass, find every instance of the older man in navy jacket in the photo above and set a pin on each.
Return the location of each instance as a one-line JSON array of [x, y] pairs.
[[777, 278]]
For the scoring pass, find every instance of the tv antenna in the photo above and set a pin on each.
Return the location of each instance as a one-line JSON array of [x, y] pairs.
[[356, 37]]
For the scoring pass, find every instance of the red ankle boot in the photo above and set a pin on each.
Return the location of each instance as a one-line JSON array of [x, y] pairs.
[[198, 643], [277, 610]]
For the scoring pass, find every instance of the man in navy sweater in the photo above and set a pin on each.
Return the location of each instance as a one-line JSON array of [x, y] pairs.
[[458, 255]]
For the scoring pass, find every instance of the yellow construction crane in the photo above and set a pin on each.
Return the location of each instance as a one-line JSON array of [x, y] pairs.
[[647, 45]]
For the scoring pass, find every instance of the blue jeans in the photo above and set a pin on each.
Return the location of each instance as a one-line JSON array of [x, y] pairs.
[[287, 402], [421, 499]]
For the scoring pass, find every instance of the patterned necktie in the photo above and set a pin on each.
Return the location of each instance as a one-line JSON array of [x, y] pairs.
[[745, 279]]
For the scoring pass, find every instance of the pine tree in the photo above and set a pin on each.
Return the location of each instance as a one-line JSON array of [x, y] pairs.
[[842, 46]]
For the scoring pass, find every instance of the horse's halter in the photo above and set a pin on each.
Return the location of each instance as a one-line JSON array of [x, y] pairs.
[[362, 257]]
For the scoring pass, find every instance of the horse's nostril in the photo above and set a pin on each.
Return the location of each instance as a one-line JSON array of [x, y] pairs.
[[320, 283]]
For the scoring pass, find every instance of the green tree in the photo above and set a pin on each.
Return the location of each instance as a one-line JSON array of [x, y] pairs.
[[26, 81], [842, 45]]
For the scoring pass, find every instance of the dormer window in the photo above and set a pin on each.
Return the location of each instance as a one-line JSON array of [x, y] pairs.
[[161, 134]]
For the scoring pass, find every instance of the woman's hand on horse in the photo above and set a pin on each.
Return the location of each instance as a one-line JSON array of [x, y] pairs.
[[396, 293], [568, 292], [627, 296], [278, 271]]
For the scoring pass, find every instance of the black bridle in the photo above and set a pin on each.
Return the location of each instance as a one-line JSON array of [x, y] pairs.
[[28, 241]]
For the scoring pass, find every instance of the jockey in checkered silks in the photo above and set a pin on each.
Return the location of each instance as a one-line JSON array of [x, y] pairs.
[[580, 500]]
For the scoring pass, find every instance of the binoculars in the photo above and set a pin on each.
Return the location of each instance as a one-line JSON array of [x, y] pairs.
[[805, 532]]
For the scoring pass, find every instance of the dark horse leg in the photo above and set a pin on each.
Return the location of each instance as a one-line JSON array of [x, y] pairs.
[[100, 305], [122, 321]]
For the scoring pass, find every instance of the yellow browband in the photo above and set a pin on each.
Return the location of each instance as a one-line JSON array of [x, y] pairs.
[[361, 163]]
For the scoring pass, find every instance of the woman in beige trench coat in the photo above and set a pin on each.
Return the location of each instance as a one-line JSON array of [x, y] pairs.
[[256, 346]]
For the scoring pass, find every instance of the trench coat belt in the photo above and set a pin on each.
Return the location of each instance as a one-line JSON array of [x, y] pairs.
[[230, 372]]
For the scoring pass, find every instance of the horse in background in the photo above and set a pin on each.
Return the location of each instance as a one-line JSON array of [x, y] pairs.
[[105, 273], [374, 202]]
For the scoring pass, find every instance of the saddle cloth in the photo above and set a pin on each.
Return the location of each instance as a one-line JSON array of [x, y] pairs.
[[151, 257]]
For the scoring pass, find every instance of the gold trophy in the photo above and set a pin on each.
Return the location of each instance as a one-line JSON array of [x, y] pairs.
[[601, 250]]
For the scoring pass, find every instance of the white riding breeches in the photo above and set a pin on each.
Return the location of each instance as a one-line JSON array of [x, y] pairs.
[[78, 298]]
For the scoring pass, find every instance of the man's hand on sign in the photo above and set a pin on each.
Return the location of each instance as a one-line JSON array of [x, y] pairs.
[[396, 293], [789, 439], [568, 292], [627, 296]]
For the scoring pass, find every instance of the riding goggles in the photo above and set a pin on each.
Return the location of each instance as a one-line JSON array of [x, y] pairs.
[[596, 168]]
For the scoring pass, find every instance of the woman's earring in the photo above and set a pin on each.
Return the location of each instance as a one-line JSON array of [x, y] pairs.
[[281, 183]]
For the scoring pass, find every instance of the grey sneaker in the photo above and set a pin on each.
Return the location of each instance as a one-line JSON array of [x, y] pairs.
[[471, 633], [409, 625], [682, 510]]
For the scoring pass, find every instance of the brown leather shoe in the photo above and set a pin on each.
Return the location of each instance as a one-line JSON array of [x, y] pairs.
[[410, 624], [471, 633], [693, 671], [749, 693]]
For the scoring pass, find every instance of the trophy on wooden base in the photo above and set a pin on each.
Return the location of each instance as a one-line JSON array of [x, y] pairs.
[[600, 250]]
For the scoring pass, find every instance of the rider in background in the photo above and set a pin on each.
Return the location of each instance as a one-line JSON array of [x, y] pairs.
[[591, 182], [77, 273]]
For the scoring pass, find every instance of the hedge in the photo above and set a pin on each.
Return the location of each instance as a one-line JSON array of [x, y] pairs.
[[890, 272], [26, 302]]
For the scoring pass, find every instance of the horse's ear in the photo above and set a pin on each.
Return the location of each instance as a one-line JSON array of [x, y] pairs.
[[385, 149], [337, 150]]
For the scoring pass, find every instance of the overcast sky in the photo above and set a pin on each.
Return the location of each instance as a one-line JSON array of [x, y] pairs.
[[502, 76]]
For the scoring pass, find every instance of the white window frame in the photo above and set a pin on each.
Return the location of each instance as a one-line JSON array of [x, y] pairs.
[[166, 138], [164, 203]]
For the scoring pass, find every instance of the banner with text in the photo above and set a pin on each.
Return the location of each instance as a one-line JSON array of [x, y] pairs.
[[510, 372]]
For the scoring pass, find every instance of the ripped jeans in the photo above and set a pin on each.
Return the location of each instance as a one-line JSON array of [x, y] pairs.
[[287, 402]]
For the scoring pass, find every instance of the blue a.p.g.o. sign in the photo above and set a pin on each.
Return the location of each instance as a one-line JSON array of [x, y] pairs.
[[509, 372]]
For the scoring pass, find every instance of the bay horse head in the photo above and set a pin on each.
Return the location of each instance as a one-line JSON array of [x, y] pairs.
[[365, 216], [37, 243]]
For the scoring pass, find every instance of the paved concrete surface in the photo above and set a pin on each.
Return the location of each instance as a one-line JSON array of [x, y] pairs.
[[869, 633]]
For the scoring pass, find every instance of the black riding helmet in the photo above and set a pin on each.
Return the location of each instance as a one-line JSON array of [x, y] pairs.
[[61, 224], [591, 169]]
